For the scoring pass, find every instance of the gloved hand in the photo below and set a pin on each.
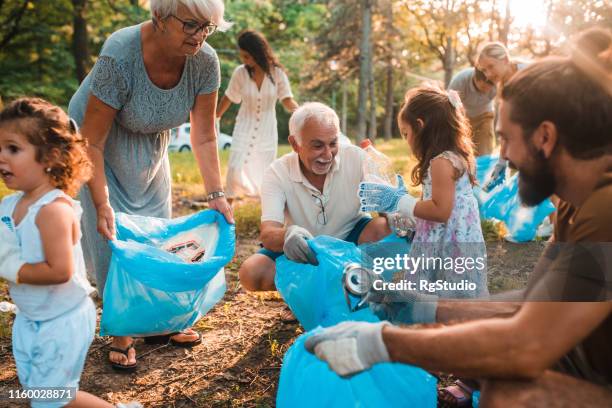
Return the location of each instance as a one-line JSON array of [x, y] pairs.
[[350, 347], [296, 248], [399, 224], [497, 177], [10, 254], [403, 307], [381, 197]]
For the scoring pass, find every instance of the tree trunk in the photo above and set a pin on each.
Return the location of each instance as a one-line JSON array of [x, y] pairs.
[[449, 61], [80, 50], [372, 129], [388, 123], [505, 28], [365, 64], [388, 131]]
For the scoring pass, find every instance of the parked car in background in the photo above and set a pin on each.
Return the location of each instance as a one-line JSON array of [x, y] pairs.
[[181, 142]]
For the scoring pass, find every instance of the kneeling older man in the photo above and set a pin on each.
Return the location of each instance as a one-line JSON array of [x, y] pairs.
[[308, 192]]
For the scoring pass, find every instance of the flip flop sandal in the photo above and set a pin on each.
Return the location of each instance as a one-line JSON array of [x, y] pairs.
[[160, 339], [287, 316], [122, 367], [186, 344], [457, 395]]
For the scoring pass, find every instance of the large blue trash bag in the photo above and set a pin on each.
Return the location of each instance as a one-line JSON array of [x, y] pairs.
[[306, 381], [150, 291], [315, 295], [503, 203]]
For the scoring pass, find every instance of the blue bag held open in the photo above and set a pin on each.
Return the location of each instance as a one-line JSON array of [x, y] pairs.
[[315, 295], [503, 203], [165, 274]]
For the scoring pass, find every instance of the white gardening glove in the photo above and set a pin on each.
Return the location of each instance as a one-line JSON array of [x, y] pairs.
[[296, 246], [405, 207], [350, 347], [133, 404], [10, 254]]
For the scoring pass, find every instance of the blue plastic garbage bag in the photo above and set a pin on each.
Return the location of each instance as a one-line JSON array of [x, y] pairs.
[[306, 381], [503, 203], [475, 399], [150, 291], [315, 295]]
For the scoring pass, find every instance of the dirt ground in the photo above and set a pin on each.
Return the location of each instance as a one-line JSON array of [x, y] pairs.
[[244, 340]]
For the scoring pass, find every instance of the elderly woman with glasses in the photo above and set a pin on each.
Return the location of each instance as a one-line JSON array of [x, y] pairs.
[[148, 78]]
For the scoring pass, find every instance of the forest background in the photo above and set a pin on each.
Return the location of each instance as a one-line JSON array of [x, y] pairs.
[[359, 56]]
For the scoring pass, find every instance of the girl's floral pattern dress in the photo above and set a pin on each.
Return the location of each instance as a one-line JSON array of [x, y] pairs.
[[458, 239]]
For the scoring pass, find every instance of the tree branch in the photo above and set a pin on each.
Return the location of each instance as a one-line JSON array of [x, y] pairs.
[[16, 19]]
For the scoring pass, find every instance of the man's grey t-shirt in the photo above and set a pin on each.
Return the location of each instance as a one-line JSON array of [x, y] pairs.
[[475, 102]]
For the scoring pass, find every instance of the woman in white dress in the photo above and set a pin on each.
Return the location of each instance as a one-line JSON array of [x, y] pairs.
[[257, 85]]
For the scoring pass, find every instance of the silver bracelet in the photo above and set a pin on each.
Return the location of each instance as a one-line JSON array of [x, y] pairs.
[[214, 195]]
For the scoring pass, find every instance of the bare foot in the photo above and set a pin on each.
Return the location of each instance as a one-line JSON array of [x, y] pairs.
[[119, 358]]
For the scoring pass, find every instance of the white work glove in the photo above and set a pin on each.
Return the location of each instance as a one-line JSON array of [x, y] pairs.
[[350, 347], [296, 246], [133, 404], [10, 254], [405, 207], [399, 224]]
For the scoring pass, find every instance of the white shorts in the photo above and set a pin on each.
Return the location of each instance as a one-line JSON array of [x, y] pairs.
[[52, 353]]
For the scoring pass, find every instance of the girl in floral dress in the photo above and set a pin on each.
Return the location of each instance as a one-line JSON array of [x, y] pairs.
[[448, 236]]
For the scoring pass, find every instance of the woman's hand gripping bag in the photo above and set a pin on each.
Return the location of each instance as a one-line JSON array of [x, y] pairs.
[[316, 296], [165, 274]]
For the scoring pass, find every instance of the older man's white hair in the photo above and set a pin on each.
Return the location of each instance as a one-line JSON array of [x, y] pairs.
[[212, 10], [312, 111]]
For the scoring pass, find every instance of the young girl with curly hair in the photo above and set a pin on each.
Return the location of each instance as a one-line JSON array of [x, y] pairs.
[[43, 157]]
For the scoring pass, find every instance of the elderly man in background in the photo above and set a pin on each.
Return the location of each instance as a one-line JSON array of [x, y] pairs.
[[311, 191]]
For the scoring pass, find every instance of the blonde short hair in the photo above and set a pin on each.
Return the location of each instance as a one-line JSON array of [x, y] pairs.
[[212, 10], [495, 50]]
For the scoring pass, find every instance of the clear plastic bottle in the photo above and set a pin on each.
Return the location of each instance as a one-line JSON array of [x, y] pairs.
[[377, 168]]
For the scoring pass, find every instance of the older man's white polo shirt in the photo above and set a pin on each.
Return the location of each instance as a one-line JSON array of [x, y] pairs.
[[289, 198]]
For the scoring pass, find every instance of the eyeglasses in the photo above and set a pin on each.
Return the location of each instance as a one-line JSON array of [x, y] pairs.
[[192, 27], [321, 217]]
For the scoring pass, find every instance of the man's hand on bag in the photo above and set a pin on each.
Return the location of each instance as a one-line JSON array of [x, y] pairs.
[[296, 246], [10, 254], [403, 307], [350, 347]]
